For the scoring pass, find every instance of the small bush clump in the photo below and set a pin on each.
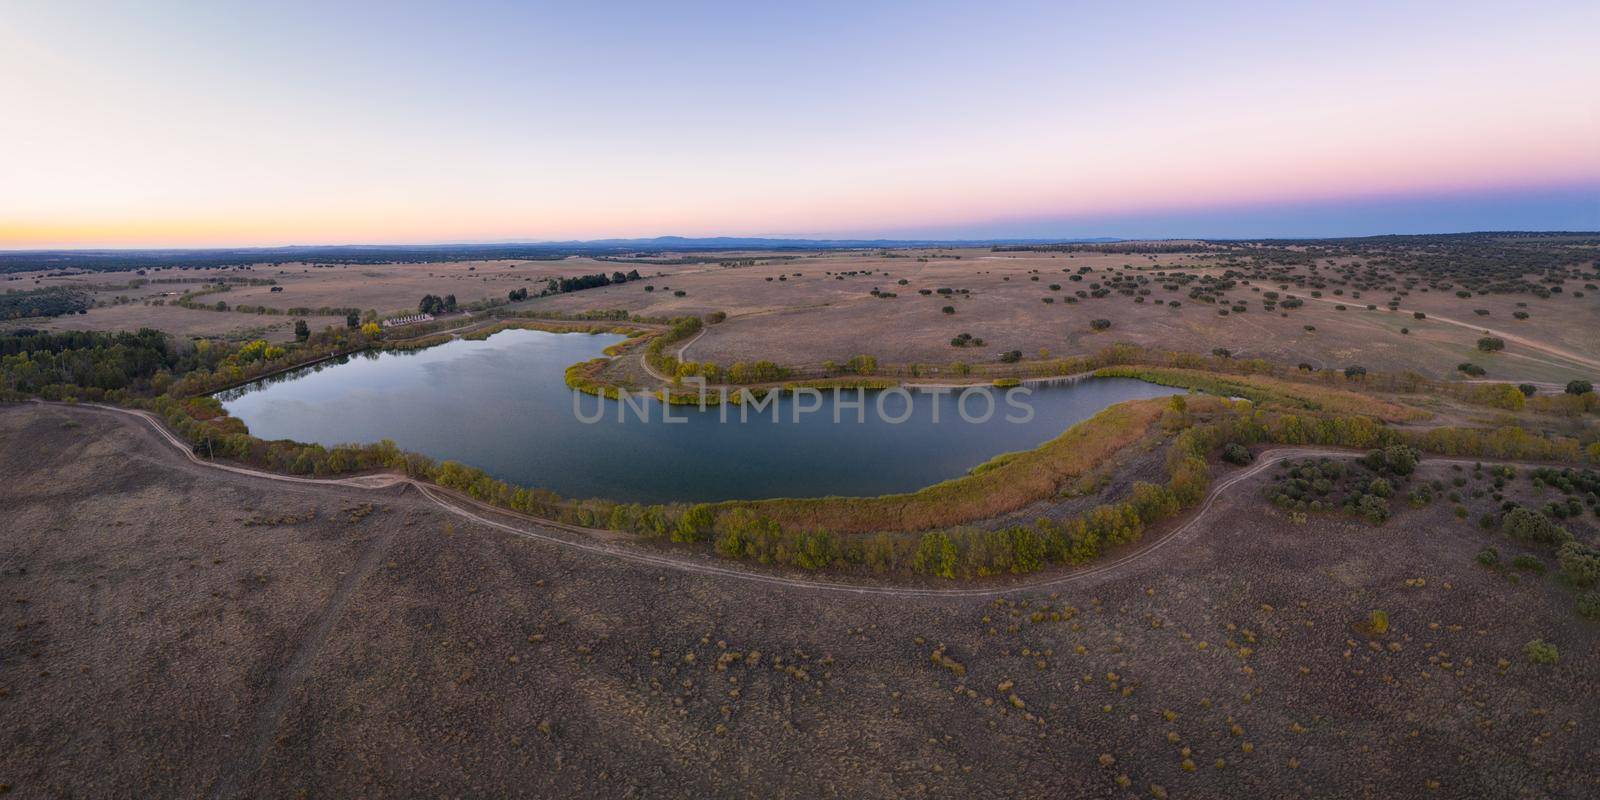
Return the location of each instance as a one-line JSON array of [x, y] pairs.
[[1541, 652]]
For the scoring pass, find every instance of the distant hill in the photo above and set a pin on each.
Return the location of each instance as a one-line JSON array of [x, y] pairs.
[[111, 260]]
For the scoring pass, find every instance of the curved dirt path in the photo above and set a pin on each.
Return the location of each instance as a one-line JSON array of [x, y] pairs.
[[644, 361], [610, 543]]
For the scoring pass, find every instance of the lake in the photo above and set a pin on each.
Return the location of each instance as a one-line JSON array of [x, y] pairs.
[[501, 404]]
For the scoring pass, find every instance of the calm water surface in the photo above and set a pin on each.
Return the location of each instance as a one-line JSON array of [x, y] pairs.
[[501, 404]]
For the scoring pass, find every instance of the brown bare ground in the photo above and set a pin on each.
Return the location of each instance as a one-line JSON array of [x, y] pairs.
[[172, 631]]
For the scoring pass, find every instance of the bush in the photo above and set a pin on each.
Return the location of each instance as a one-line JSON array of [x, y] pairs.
[[1540, 652], [1100, 324], [1532, 526], [1396, 459], [1529, 563], [1589, 605], [1378, 622], [1579, 563], [1373, 508], [1489, 557], [1235, 453]]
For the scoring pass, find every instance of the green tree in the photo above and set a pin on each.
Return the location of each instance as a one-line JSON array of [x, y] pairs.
[[937, 554]]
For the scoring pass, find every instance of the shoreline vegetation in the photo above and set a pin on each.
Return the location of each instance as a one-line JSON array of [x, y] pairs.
[[926, 532]]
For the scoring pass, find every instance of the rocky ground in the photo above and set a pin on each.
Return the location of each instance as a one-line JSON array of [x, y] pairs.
[[172, 630]]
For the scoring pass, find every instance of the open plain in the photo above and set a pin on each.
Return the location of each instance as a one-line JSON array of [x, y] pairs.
[[804, 308]]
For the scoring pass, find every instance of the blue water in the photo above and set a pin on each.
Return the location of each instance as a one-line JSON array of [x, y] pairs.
[[501, 404]]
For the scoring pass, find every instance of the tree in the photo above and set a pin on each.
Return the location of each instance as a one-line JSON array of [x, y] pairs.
[[695, 524], [371, 330], [302, 331], [1579, 387], [1490, 344], [936, 555], [862, 365], [352, 320]]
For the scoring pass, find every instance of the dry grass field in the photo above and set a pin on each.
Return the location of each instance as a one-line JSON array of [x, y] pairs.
[[385, 288], [816, 316], [170, 630], [804, 308]]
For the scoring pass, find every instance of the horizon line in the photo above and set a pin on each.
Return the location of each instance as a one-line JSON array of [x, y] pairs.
[[830, 242]]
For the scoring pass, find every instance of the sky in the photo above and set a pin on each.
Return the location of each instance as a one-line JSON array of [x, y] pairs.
[[225, 123]]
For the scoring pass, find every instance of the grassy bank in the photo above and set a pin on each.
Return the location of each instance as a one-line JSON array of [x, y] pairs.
[[1269, 391], [1021, 479]]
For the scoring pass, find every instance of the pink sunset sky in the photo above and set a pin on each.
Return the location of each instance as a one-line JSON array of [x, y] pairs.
[[184, 124]]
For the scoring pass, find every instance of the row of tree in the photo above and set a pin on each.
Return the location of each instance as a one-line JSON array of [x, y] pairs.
[[581, 282]]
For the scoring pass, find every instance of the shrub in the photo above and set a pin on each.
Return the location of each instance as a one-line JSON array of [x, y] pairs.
[[1396, 459], [1419, 497], [1100, 324], [1378, 622], [1489, 557], [948, 309], [1235, 453], [1490, 344], [1527, 562], [1589, 605], [1373, 508], [1541, 652], [1579, 563], [1531, 526]]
